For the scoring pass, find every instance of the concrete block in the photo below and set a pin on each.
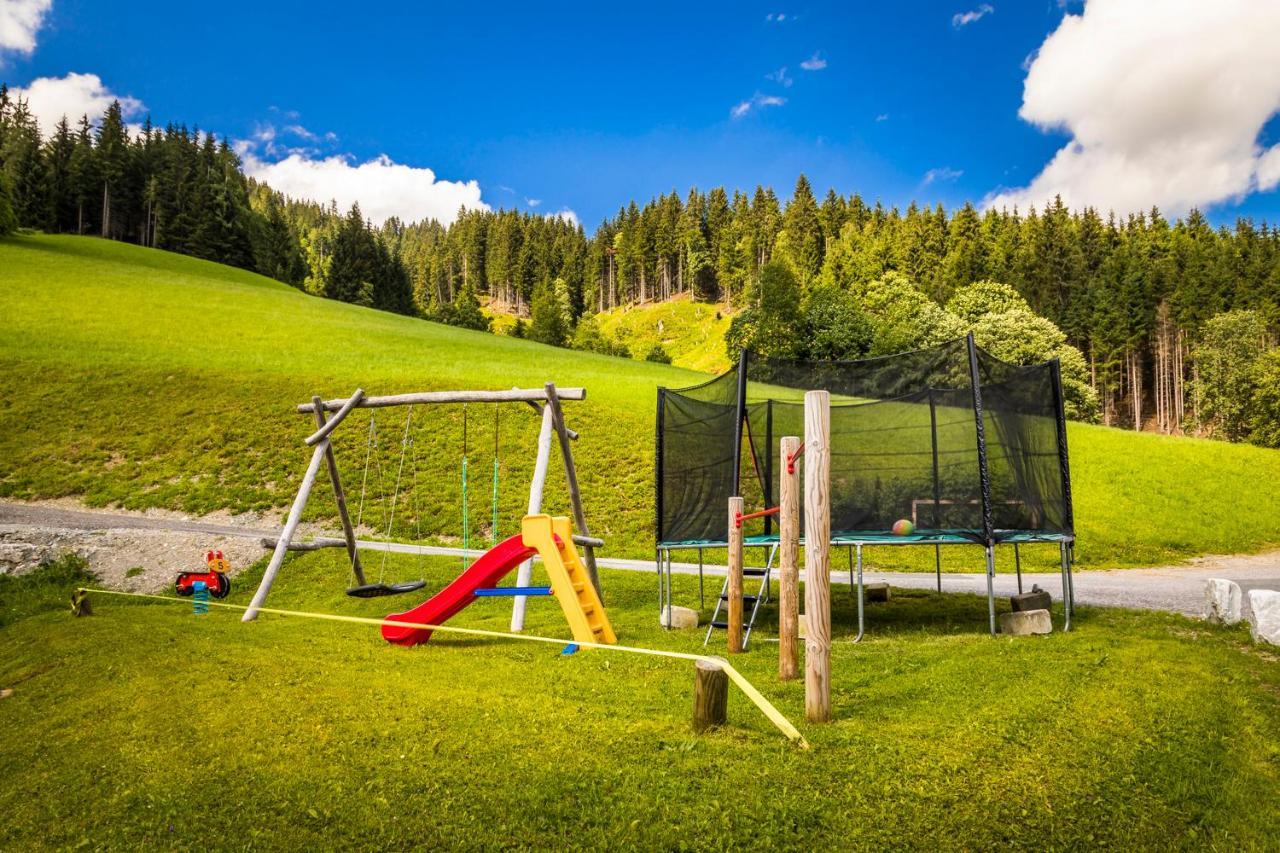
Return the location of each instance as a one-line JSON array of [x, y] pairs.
[[1023, 623], [875, 591], [1222, 601], [1264, 616], [678, 617], [1037, 599]]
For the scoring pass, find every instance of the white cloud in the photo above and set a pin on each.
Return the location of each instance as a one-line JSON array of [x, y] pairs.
[[383, 187], [776, 17], [1164, 103], [780, 76], [73, 96], [756, 102], [533, 202], [941, 174], [964, 19], [814, 63], [20, 20], [567, 215], [882, 117]]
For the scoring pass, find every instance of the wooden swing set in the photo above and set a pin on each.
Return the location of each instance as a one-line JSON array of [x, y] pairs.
[[546, 401]]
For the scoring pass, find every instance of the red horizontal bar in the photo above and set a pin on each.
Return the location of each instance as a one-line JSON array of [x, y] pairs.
[[739, 518], [791, 459]]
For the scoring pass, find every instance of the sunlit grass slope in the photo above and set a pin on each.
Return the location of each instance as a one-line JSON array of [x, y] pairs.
[[692, 333], [146, 379]]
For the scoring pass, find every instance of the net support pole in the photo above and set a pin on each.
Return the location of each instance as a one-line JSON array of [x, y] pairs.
[[768, 465], [738, 421], [286, 535], [734, 585], [817, 530], [937, 488], [1064, 465], [525, 573], [979, 420], [788, 562]]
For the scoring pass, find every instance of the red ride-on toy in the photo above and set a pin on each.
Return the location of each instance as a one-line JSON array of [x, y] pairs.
[[214, 577]]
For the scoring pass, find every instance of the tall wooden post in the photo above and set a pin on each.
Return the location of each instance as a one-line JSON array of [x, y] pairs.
[[524, 575], [817, 534], [348, 532], [789, 558], [735, 575]]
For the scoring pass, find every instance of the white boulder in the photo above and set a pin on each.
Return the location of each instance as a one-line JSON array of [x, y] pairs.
[[1023, 623], [678, 617], [1222, 600], [1264, 615]]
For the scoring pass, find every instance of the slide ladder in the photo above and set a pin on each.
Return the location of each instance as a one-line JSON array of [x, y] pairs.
[[553, 540]]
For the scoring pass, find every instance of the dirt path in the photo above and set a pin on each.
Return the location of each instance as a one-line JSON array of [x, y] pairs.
[[142, 550]]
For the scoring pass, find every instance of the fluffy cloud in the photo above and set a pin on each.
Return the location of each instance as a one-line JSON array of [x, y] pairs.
[[1164, 103], [776, 17], [567, 215], [814, 63], [383, 187], [756, 102], [964, 19], [73, 96], [20, 20], [780, 76]]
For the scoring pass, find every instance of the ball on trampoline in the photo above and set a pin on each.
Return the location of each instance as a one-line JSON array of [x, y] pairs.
[[902, 527]]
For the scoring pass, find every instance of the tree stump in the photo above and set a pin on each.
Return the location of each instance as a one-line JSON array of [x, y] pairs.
[[710, 696]]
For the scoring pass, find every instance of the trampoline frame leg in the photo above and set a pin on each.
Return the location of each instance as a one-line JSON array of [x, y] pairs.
[[937, 563], [1017, 562], [1067, 604], [862, 625], [702, 594], [991, 589]]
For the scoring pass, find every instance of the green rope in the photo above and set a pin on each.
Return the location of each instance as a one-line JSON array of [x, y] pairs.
[[495, 501], [465, 516]]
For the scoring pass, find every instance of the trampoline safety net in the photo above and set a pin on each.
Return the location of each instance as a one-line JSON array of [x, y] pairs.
[[960, 443]]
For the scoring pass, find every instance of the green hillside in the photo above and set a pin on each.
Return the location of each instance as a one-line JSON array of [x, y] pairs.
[[146, 379], [691, 332]]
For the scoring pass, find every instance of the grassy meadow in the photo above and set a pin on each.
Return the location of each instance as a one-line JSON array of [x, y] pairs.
[[143, 379], [146, 726]]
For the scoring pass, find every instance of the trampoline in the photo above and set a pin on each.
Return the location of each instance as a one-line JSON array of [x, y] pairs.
[[971, 449]]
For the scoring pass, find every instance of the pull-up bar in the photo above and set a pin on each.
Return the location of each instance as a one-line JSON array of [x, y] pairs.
[[515, 395], [739, 517]]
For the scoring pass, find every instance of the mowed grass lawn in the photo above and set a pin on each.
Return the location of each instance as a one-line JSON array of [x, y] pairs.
[[142, 379], [144, 726]]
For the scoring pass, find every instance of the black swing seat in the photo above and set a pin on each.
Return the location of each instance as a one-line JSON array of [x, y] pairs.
[[378, 590]]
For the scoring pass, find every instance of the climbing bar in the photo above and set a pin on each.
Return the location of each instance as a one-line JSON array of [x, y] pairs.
[[791, 459], [593, 541], [780, 722], [332, 424], [515, 395], [739, 518], [494, 592]]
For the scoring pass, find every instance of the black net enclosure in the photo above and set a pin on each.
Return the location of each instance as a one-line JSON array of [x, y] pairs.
[[965, 446]]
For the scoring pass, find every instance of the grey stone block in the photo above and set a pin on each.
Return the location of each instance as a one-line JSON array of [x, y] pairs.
[[1022, 623]]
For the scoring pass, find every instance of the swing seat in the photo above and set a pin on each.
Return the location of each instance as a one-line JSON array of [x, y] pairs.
[[378, 590]]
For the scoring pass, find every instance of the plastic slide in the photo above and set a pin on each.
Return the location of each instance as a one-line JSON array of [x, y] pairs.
[[486, 571]]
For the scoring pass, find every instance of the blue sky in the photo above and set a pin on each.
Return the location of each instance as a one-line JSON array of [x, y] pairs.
[[583, 107]]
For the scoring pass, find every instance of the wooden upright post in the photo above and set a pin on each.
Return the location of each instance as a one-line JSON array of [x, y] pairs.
[[340, 496], [710, 696], [817, 537], [571, 477], [735, 575], [524, 575], [789, 558]]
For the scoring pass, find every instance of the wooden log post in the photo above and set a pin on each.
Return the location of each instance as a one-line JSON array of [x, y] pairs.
[[524, 575], [710, 695], [788, 561], [571, 477], [735, 575], [286, 535], [817, 534], [348, 532]]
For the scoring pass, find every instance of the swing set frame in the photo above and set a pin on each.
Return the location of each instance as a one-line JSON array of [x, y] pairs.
[[546, 401]]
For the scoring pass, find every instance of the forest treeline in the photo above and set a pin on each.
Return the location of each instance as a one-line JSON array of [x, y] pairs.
[[1168, 316]]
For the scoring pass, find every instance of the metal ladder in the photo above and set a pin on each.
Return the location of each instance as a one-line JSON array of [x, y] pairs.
[[761, 597]]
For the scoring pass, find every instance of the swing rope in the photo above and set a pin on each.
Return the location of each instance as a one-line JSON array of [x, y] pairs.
[[405, 442], [494, 529], [466, 517]]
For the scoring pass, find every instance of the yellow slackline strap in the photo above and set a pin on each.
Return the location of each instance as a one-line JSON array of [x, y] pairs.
[[766, 707]]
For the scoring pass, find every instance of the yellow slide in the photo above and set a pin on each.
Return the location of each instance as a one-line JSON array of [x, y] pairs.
[[553, 540]]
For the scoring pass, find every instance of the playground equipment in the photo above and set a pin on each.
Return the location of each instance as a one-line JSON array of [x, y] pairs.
[[546, 401], [968, 449], [214, 577], [541, 535]]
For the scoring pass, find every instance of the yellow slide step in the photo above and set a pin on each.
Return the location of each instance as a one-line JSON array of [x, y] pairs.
[[583, 610]]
